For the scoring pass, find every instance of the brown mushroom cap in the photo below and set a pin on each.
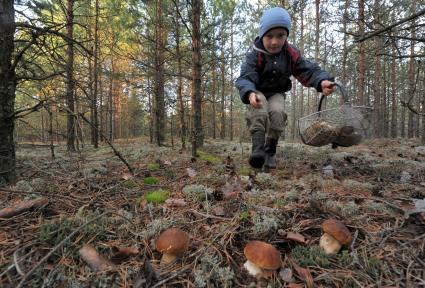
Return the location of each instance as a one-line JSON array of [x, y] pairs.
[[337, 229], [172, 241], [263, 255]]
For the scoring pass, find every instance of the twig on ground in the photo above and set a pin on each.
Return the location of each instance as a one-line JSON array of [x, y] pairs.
[[29, 273], [169, 278], [210, 216], [42, 194]]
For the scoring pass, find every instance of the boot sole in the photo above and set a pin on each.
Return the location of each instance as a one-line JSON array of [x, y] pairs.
[[257, 161]]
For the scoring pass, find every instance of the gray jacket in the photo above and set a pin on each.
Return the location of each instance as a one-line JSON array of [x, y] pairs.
[[269, 73]]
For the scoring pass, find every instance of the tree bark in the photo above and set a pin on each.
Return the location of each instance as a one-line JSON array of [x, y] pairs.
[[344, 48], [197, 133], [412, 67], [377, 76], [7, 93], [96, 78], [393, 96], [159, 107], [70, 81], [301, 102], [223, 86], [180, 86], [361, 57]]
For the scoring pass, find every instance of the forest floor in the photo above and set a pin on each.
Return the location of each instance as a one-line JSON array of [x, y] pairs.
[[376, 189]]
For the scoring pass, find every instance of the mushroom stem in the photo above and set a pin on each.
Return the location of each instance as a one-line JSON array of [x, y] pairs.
[[253, 269], [167, 258], [329, 244]]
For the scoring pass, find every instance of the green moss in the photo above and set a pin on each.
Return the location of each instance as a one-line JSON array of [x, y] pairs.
[[244, 171], [153, 166], [157, 196], [150, 180], [244, 216], [344, 258], [129, 184], [211, 159], [310, 256]]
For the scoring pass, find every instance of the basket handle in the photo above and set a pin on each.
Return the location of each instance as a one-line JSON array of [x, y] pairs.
[[343, 94]]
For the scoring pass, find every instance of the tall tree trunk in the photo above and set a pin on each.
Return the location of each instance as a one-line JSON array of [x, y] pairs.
[[317, 41], [96, 78], [361, 57], [231, 77], [344, 47], [7, 93], [302, 53], [111, 108], [393, 95], [223, 86], [384, 96], [213, 95], [412, 67], [70, 82], [197, 133], [180, 86], [423, 104], [377, 75], [294, 88], [159, 102]]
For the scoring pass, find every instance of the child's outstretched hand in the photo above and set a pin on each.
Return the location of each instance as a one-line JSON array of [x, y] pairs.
[[327, 87], [254, 100]]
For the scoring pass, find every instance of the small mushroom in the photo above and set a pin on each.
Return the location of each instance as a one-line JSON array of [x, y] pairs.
[[171, 243], [262, 257], [335, 235]]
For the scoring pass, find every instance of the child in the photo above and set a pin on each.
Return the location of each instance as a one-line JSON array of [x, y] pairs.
[[264, 80]]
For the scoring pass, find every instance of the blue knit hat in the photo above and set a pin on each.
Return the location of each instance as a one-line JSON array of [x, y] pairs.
[[274, 18]]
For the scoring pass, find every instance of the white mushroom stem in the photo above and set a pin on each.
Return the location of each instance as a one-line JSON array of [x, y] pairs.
[[253, 269], [167, 258], [329, 244]]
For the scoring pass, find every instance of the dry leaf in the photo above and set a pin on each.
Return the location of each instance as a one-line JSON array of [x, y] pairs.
[[218, 211], [191, 172], [295, 285], [296, 237], [304, 274], [286, 275], [124, 253], [96, 261], [126, 176], [232, 190], [175, 202]]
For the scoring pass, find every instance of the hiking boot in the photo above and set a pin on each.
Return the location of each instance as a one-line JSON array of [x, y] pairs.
[[270, 150], [256, 160]]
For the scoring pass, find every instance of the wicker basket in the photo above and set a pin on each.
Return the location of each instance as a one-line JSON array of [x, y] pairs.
[[343, 126]]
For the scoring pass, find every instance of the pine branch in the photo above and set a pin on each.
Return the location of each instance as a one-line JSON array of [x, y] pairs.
[[406, 19]]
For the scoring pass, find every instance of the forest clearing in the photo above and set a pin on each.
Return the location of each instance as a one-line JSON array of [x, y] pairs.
[[162, 143], [376, 190]]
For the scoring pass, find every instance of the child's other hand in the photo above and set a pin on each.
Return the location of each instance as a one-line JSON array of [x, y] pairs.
[[327, 87], [254, 101]]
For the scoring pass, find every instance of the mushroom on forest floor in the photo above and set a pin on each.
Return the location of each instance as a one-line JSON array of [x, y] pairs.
[[171, 243], [335, 235], [262, 258]]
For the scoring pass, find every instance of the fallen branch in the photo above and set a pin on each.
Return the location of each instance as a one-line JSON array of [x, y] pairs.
[[209, 215], [95, 260], [29, 273], [43, 194], [23, 207]]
